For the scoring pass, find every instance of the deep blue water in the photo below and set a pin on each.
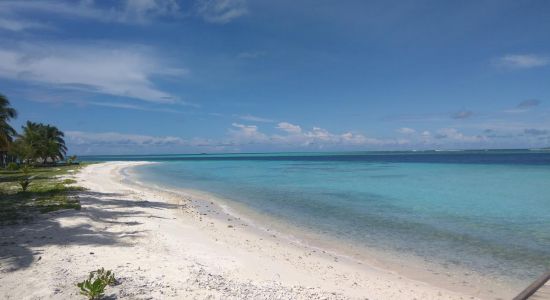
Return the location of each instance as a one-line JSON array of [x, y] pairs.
[[485, 210]]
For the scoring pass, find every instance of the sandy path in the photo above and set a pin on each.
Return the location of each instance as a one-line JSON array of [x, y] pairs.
[[160, 246]]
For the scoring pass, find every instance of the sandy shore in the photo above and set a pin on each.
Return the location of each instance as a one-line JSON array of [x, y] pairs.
[[162, 246]]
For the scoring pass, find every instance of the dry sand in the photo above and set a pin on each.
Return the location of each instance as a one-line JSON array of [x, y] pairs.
[[163, 246]]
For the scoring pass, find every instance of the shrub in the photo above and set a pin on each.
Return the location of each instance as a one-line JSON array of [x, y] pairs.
[[107, 276], [93, 289], [94, 286], [13, 166]]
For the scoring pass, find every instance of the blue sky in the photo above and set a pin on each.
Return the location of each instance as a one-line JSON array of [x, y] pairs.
[[167, 76]]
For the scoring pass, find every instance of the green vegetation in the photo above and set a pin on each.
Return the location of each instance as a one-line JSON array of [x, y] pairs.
[[6, 131], [107, 276], [12, 166], [29, 182], [93, 289], [44, 192], [94, 286], [38, 143]]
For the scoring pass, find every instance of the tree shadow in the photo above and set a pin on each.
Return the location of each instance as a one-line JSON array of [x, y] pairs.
[[91, 226]]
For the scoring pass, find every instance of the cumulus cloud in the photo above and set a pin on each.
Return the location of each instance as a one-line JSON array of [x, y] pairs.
[[221, 11], [522, 61], [247, 134], [241, 136], [463, 114], [96, 68], [290, 128], [298, 137]]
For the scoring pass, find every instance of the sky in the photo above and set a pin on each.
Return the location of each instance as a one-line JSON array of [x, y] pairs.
[[204, 76]]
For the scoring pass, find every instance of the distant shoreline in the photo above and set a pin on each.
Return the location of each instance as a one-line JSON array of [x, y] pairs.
[[411, 151]]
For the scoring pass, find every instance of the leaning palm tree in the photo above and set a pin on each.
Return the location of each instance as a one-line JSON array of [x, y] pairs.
[[55, 143], [6, 131]]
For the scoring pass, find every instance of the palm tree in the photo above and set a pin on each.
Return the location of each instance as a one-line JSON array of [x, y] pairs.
[[40, 141], [31, 141], [55, 143], [6, 131]]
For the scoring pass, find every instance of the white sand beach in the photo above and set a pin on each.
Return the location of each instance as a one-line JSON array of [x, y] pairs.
[[162, 246]]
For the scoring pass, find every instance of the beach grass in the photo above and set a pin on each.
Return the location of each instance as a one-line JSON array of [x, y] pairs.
[[48, 191]]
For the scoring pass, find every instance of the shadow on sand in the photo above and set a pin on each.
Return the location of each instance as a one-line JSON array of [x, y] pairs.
[[20, 244]]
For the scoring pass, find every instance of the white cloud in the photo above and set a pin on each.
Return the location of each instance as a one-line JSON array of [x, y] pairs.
[[131, 11], [321, 137], [295, 136], [143, 10], [221, 11], [455, 135], [81, 142], [290, 128], [406, 130], [12, 24], [522, 61], [254, 118], [246, 137], [247, 134], [127, 12], [462, 114], [125, 72], [115, 138]]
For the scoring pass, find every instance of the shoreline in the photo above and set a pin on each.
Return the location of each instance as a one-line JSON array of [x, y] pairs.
[[163, 245], [451, 277]]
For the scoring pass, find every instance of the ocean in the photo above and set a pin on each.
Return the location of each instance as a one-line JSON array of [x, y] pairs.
[[486, 211]]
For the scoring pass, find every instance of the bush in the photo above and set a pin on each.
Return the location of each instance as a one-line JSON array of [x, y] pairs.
[[13, 166], [92, 289], [107, 276], [94, 286]]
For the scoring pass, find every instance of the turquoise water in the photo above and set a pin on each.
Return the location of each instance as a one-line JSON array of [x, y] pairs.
[[489, 212]]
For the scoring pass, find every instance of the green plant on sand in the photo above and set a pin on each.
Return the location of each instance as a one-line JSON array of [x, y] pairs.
[[94, 286], [93, 289], [107, 276]]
